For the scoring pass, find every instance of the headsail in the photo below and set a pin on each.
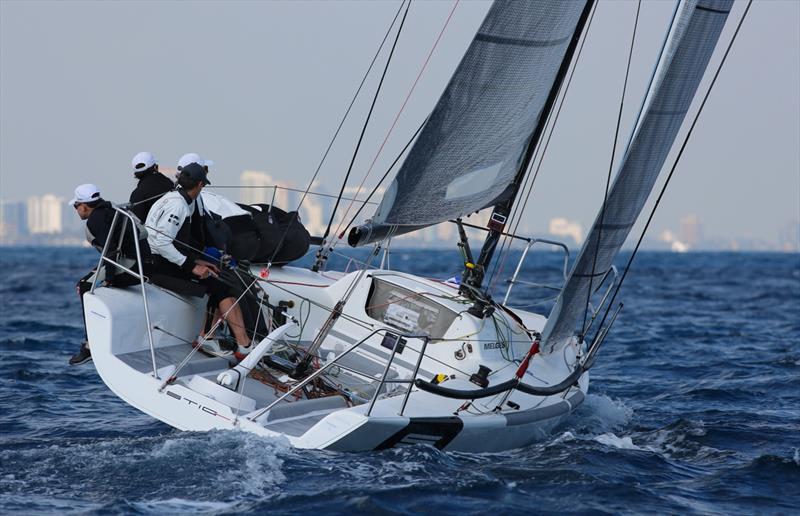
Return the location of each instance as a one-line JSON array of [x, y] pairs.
[[473, 144], [694, 37]]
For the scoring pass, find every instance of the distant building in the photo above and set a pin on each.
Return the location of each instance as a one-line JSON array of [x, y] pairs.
[[13, 221], [675, 244], [447, 233], [44, 214], [789, 237], [259, 188], [71, 223], [312, 215], [562, 227], [691, 231]]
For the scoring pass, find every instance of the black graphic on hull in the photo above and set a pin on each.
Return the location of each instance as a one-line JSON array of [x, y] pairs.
[[437, 431]]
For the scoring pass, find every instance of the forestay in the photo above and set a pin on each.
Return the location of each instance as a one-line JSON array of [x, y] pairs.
[[694, 36], [469, 152]]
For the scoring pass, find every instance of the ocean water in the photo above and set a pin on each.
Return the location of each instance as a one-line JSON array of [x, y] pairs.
[[694, 408]]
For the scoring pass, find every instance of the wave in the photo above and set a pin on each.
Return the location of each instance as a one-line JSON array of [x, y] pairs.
[[215, 467]]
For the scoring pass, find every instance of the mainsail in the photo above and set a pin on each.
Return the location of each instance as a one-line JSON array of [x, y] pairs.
[[694, 36], [473, 145]]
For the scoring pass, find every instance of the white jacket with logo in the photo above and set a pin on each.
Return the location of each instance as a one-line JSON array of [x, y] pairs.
[[164, 221]]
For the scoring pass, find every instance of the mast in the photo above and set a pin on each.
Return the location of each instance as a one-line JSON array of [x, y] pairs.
[[472, 277]]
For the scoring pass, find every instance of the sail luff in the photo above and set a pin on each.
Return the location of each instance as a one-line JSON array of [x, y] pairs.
[[695, 35]]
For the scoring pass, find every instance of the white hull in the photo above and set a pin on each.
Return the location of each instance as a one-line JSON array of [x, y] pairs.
[[194, 401]]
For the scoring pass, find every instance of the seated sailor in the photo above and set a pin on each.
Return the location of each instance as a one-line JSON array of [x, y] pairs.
[[259, 233], [151, 184], [169, 225]]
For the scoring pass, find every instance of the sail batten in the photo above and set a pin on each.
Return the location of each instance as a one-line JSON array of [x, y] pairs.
[[695, 33], [471, 149]]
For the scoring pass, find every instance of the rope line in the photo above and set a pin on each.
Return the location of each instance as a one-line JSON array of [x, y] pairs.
[[366, 121], [397, 117], [383, 178]]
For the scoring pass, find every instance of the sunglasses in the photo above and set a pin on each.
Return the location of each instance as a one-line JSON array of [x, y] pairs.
[[77, 204]]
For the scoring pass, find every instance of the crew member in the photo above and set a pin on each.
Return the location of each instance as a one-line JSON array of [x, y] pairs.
[[151, 186], [169, 223], [237, 235], [193, 157], [99, 214]]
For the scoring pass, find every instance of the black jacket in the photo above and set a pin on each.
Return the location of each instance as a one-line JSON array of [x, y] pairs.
[[98, 225], [150, 187]]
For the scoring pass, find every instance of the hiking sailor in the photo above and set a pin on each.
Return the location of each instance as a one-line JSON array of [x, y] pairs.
[[151, 186], [170, 225], [99, 214]]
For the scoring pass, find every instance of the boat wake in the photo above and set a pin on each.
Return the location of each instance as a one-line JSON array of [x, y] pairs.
[[175, 472]]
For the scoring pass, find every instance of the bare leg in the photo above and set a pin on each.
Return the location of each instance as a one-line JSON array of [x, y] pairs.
[[235, 320], [216, 317]]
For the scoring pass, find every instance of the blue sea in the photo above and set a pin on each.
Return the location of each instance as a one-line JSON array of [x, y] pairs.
[[694, 408]]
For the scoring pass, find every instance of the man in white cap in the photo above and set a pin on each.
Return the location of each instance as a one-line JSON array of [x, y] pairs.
[[98, 214], [193, 157], [152, 184]]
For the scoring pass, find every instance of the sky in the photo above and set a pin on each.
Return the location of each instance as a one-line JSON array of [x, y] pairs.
[[263, 85]]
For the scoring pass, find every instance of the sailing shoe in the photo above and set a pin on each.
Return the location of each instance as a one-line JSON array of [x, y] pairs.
[[214, 347], [82, 356], [242, 352]]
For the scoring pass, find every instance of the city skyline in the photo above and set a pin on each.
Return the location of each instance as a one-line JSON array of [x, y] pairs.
[[48, 219]]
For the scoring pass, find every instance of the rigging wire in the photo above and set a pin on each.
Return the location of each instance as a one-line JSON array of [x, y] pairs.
[[366, 122], [374, 190], [610, 167], [277, 187], [295, 215], [397, 117], [531, 180], [653, 75], [355, 96], [672, 170]]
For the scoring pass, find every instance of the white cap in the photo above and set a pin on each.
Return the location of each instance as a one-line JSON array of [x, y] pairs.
[[143, 161], [85, 193], [193, 157]]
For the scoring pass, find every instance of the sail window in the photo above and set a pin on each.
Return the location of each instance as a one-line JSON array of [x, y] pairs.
[[407, 311], [473, 183]]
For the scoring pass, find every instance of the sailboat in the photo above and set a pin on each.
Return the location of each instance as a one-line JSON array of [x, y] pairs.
[[375, 358]]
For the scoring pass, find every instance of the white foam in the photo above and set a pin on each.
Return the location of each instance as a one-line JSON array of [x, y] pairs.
[[599, 413], [623, 443], [565, 437], [231, 465], [260, 468], [179, 505], [796, 457]]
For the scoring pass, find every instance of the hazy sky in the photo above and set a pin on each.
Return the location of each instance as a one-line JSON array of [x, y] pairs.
[[262, 85]]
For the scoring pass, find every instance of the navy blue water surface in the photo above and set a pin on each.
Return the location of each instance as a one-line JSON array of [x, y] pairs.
[[694, 409]]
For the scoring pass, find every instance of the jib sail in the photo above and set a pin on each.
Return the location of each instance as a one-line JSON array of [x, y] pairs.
[[694, 35]]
